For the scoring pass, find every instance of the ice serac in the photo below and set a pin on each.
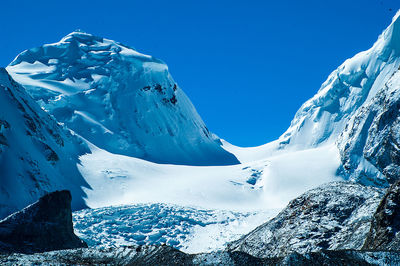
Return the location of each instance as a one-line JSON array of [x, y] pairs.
[[118, 99], [357, 108], [37, 155]]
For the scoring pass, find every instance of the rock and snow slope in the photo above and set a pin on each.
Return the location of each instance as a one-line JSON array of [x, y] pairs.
[[164, 255], [37, 155], [265, 184], [333, 216], [118, 99], [357, 109], [43, 226]]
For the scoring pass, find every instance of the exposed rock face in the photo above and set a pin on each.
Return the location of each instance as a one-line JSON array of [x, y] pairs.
[[340, 257], [143, 255], [385, 226], [43, 226], [370, 140], [164, 255], [333, 216]]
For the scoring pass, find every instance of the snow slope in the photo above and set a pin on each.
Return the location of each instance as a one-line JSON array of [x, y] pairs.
[[323, 117], [118, 99], [37, 155], [265, 184]]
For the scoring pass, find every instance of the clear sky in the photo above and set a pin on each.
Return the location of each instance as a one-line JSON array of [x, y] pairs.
[[246, 65]]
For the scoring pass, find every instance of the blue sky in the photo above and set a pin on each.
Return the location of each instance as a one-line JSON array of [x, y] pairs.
[[246, 65]]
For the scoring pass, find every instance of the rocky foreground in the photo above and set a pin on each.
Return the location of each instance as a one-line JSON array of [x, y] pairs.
[[43, 226], [164, 255], [339, 223]]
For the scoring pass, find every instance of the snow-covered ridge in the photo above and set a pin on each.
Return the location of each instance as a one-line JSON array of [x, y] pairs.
[[37, 155], [333, 216], [355, 110], [323, 117], [118, 99]]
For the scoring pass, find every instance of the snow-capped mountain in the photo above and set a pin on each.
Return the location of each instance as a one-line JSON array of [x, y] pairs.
[[37, 155], [118, 99], [354, 84], [357, 110], [127, 105]]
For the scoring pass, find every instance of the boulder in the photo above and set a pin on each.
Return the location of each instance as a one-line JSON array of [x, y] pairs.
[[385, 226], [43, 226]]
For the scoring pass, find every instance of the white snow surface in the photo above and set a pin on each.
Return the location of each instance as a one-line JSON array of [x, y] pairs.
[[342, 110], [261, 185]]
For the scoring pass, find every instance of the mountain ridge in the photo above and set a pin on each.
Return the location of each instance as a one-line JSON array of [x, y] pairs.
[[37, 154]]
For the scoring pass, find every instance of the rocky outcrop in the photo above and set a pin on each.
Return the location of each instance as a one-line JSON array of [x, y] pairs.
[[333, 216], [143, 255], [369, 144], [164, 255], [43, 226], [385, 226]]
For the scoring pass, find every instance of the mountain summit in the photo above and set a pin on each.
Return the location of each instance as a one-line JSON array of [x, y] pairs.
[[118, 99]]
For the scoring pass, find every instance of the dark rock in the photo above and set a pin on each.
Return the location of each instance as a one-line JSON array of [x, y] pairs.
[[43, 226], [173, 100], [372, 136], [333, 216], [164, 255], [385, 225]]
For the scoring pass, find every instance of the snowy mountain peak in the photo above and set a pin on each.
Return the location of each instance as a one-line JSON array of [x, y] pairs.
[[352, 108], [322, 118], [81, 37], [118, 99], [391, 36]]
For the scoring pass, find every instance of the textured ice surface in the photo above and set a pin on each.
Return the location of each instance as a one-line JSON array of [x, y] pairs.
[[188, 229], [333, 216]]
